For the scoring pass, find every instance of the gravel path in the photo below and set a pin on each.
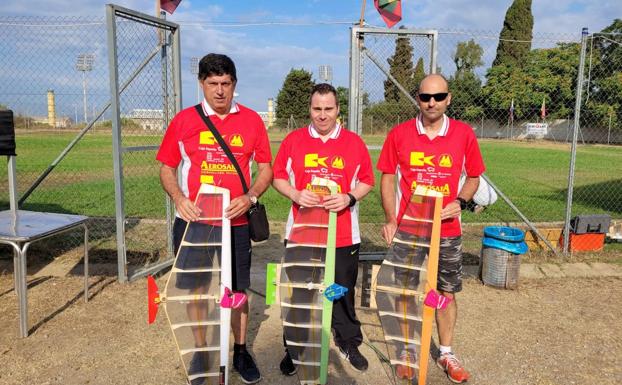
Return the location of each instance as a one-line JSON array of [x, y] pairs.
[[549, 331]]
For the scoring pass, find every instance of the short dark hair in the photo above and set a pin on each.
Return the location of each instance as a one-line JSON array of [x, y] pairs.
[[323, 89], [216, 64]]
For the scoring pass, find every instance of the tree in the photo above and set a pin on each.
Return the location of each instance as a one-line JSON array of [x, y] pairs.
[[401, 68], [548, 74], [293, 98], [515, 38], [418, 76], [465, 85], [343, 95], [604, 103], [468, 56]]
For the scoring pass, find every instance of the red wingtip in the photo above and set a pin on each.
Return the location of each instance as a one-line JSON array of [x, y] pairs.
[[153, 295]]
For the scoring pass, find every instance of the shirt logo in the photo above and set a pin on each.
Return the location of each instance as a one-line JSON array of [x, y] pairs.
[[207, 179], [444, 189], [314, 160], [206, 137], [419, 159], [236, 141], [338, 163], [445, 160]]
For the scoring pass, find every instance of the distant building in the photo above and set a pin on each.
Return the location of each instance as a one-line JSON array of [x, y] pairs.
[[61, 122], [148, 120]]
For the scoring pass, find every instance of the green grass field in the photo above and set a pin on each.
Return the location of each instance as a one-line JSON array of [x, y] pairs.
[[532, 174]]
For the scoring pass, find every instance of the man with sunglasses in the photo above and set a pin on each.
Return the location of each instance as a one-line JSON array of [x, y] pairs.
[[432, 150]]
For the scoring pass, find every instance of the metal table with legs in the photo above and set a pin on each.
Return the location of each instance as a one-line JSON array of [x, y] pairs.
[[20, 228]]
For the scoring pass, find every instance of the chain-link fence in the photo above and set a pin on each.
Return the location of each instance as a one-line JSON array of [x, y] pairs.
[[55, 77], [145, 52], [56, 70], [523, 113]]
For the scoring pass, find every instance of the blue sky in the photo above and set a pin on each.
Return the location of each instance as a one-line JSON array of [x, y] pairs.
[[306, 34]]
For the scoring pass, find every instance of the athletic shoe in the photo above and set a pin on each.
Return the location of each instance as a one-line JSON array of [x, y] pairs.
[[351, 353], [404, 371], [198, 365], [454, 369], [244, 364], [287, 365]]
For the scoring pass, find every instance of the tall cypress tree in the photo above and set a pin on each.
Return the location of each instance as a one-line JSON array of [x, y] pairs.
[[293, 98], [515, 38], [401, 68]]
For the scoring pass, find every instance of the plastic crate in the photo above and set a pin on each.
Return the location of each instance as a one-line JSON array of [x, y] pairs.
[[582, 224]]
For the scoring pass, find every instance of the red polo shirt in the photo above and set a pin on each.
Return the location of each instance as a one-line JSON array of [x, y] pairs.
[[344, 159], [416, 160], [188, 141]]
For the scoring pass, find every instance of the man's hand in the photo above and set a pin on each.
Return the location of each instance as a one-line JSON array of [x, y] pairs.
[[305, 198], [238, 206], [336, 202], [186, 209], [388, 231], [452, 210]]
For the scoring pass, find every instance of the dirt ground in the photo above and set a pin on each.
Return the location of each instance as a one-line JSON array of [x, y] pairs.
[[548, 332]]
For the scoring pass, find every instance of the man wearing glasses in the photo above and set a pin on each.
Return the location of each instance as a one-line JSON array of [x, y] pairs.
[[432, 150]]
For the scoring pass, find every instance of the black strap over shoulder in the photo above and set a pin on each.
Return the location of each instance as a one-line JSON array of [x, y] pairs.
[[222, 144]]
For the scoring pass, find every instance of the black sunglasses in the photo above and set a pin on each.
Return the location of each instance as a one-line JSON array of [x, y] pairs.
[[437, 97]]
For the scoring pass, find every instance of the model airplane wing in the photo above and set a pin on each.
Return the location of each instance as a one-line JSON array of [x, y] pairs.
[[193, 296], [407, 274], [307, 270]]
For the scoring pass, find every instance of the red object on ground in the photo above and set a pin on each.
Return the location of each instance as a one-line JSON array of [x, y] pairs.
[[585, 242], [153, 295]]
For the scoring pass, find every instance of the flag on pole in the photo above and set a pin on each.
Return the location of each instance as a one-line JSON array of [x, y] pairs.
[[169, 5], [512, 111], [543, 110], [390, 11]]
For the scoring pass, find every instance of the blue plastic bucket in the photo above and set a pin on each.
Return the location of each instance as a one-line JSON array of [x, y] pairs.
[[500, 258]]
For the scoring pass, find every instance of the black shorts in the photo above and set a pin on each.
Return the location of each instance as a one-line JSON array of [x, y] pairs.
[[240, 256]]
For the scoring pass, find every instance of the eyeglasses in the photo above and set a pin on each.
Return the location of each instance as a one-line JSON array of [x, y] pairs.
[[437, 97]]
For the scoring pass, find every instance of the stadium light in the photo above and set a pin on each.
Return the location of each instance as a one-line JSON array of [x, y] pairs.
[[85, 64], [194, 68]]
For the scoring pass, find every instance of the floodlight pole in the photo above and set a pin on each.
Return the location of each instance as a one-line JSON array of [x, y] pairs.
[[84, 94], [194, 69], [84, 64]]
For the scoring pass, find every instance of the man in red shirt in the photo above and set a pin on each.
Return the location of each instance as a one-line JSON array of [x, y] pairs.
[[433, 150], [189, 143], [325, 149]]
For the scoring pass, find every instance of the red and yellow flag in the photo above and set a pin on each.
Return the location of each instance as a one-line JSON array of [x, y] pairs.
[[390, 11]]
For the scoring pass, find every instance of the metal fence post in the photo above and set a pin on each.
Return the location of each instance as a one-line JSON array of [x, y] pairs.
[[575, 132], [116, 142]]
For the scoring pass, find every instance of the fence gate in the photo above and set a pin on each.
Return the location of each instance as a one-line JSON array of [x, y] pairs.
[[145, 88], [376, 102]]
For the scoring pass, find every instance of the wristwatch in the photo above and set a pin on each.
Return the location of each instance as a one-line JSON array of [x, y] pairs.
[[463, 203], [252, 198], [352, 200]]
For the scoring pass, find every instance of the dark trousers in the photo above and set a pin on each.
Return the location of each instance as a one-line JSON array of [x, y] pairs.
[[346, 327]]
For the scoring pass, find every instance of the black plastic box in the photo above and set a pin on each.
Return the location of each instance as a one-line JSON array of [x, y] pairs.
[[7, 133], [583, 224]]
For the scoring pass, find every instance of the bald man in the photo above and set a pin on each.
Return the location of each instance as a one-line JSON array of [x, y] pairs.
[[446, 148]]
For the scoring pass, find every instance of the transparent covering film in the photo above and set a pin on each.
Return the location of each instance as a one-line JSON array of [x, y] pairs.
[[193, 290], [402, 283], [301, 287]]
